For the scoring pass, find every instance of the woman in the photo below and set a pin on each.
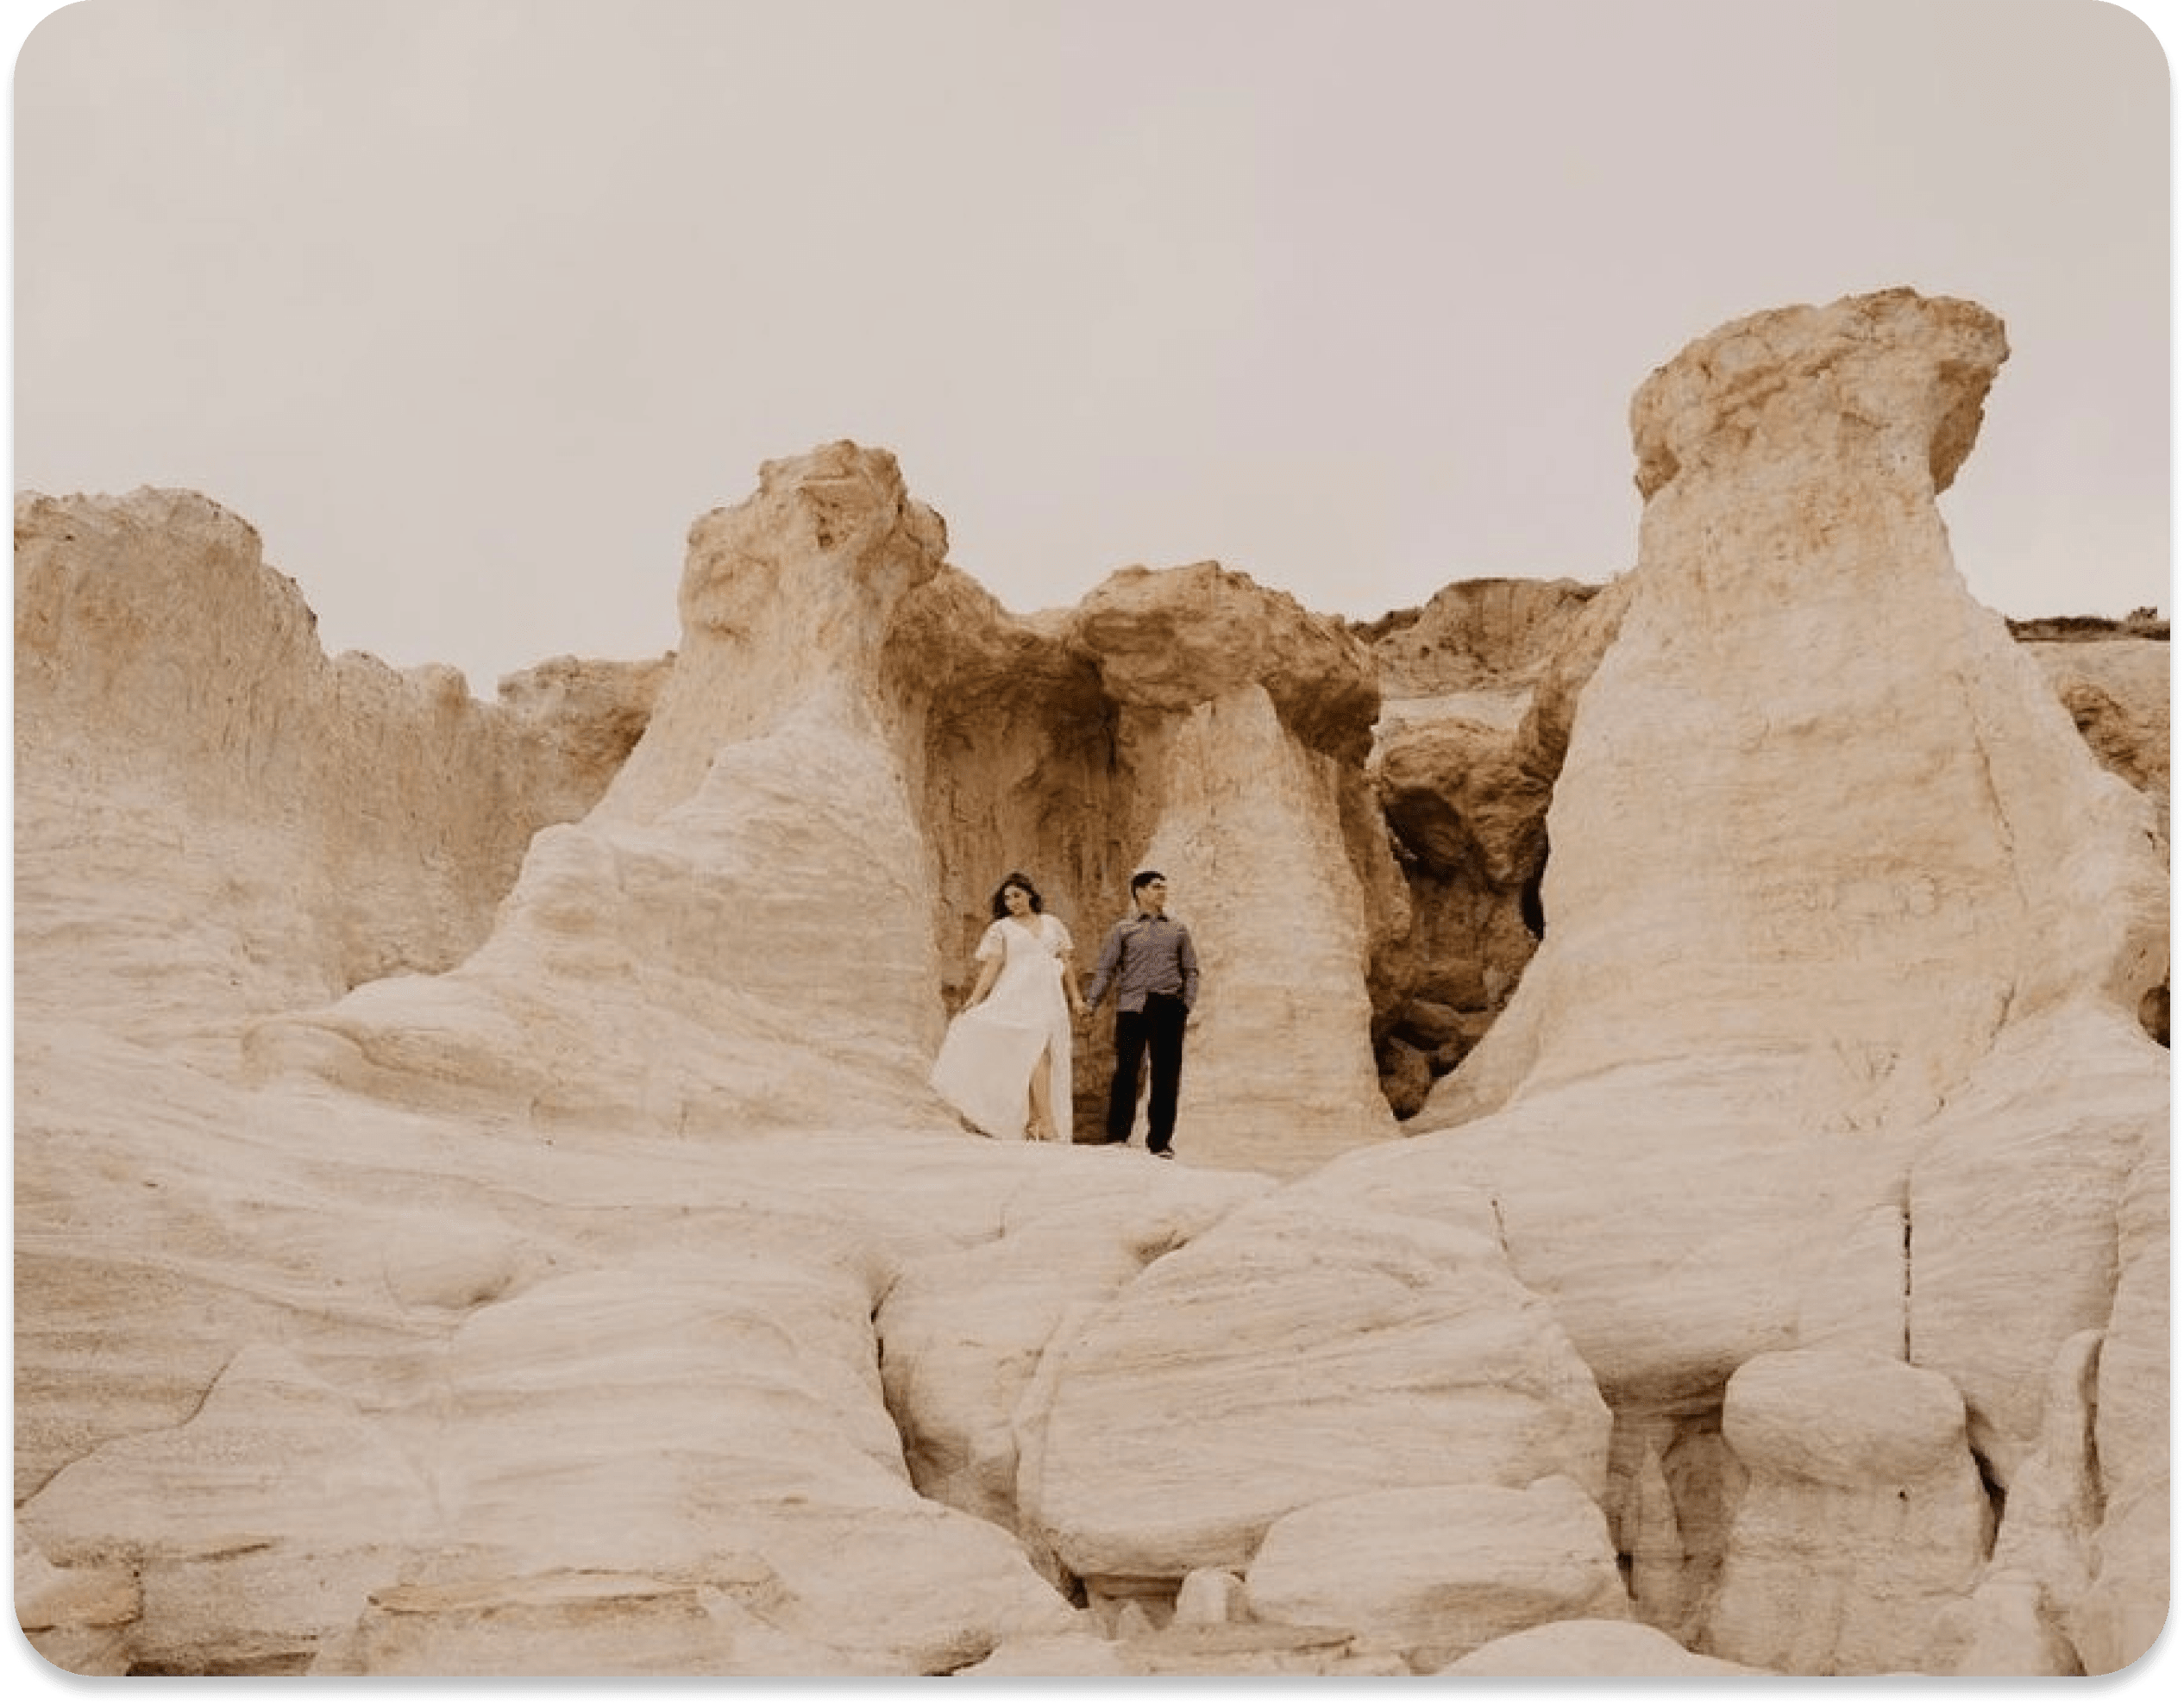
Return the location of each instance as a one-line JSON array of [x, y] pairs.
[[1005, 1065]]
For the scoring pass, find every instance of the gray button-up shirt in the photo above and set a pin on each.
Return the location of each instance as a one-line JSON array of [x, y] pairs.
[[1145, 955]]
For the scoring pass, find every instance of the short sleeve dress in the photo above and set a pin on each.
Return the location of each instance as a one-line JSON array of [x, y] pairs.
[[984, 1070]]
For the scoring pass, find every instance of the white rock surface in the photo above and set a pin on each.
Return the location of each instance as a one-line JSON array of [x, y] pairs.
[[691, 950], [412, 1093], [1887, 835], [1885, 846], [1277, 1064], [1592, 1649], [2013, 1204], [1863, 1519], [659, 1367], [256, 1527], [1436, 1571], [2041, 1565], [2126, 1607], [215, 820], [1859, 1301], [76, 1617], [1892, 883], [1320, 1348], [965, 1329], [2116, 690]]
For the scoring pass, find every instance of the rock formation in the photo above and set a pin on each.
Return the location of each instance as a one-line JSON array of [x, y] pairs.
[[762, 822], [1861, 1517], [479, 1210], [1465, 764], [1192, 721], [1834, 884], [1319, 1355], [1440, 1572], [215, 820]]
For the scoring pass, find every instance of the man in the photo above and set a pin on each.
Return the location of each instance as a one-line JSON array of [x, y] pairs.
[[1148, 959]]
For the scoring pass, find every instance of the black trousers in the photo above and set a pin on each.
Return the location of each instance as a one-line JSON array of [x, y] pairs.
[[1158, 1031]]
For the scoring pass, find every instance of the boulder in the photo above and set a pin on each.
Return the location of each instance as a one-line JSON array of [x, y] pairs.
[[1320, 1348], [1677, 1225], [1591, 1650], [767, 1466], [1458, 795], [1177, 639], [962, 1330], [1474, 635], [1436, 1571], [2014, 1197], [256, 1528], [1862, 1520]]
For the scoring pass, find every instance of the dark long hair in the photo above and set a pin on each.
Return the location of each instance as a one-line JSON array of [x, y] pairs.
[[1015, 879]]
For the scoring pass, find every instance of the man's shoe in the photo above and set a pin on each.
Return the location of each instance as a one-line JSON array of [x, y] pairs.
[[1162, 1153]]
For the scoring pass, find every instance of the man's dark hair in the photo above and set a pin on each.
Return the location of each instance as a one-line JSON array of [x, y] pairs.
[[1015, 879], [1142, 878]]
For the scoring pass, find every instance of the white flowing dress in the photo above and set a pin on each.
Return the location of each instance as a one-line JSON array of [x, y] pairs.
[[984, 1070]]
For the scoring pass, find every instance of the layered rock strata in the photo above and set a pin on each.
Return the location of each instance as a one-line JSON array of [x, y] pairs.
[[1862, 1517], [1438, 1571], [1465, 778], [215, 820], [661, 955], [616, 1301], [1191, 721], [1831, 872], [1479, 689], [1322, 1350]]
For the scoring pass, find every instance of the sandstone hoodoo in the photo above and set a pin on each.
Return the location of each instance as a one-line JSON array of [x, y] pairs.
[[1674, 1139]]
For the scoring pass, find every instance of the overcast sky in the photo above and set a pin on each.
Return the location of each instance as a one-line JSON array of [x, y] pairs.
[[472, 306]]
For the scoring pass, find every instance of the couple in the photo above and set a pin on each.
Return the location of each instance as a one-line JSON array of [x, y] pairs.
[[1005, 1065]]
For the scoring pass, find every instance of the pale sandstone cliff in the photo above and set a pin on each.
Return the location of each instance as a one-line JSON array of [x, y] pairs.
[[215, 819], [1845, 930], [498, 1225]]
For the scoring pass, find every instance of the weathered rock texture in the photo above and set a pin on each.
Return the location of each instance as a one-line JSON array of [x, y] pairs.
[[1592, 1649], [1862, 1516], [1791, 461], [1488, 637], [1319, 1351], [1191, 721], [479, 1211], [761, 827], [1464, 774], [215, 820], [1435, 1572], [1834, 886]]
